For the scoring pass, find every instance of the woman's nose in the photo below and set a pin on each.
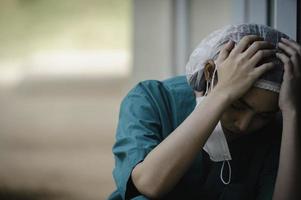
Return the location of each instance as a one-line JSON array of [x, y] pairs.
[[243, 122]]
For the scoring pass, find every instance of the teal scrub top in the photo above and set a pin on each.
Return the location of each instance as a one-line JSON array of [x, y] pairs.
[[152, 110]]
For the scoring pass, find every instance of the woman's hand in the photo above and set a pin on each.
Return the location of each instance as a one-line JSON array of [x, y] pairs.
[[236, 66], [289, 96], [288, 182]]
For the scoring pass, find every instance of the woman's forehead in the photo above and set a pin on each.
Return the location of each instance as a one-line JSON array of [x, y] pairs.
[[261, 100]]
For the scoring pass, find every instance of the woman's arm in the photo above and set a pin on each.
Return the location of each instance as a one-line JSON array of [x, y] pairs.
[[163, 167], [289, 174]]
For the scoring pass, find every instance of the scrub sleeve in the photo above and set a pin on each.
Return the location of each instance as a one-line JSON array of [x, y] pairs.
[[137, 134]]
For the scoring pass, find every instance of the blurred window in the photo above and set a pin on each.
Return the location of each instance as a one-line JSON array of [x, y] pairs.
[[64, 39]]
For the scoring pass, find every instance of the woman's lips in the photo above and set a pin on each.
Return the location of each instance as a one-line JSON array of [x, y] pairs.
[[237, 132], [231, 132]]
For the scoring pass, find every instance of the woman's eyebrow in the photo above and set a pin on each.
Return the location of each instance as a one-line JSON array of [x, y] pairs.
[[269, 112], [242, 101], [245, 104]]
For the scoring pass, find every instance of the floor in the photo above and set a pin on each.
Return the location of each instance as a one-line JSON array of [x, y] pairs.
[[56, 139]]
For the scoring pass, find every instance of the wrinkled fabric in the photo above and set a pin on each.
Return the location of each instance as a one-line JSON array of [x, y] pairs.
[[152, 110], [210, 47]]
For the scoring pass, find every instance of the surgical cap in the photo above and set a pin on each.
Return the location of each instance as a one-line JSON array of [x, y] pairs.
[[210, 47]]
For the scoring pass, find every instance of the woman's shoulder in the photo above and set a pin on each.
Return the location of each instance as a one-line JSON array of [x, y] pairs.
[[170, 86], [169, 98], [172, 82]]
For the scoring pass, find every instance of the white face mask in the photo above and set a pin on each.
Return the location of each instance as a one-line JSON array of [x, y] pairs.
[[216, 145]]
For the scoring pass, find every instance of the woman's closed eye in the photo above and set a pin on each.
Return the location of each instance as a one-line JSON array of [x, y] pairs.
[[266, 115], [241, 105], [238, 106]]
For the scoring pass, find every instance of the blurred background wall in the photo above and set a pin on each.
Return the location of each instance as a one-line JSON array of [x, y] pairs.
[[65, 66]]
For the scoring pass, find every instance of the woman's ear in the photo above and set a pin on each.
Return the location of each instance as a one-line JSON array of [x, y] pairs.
[[209, 69]]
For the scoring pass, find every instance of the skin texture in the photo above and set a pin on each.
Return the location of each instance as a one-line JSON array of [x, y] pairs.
[[247, 114], [289, 176], [164, 166]]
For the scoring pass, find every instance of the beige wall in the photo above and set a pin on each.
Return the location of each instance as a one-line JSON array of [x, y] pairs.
[[207, 16], [153, 33], [152, 39]]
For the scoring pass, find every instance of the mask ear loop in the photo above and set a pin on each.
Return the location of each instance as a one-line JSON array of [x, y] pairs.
[[213, 77], [207, 88], [222, 171], [210, 83], [229, 166]]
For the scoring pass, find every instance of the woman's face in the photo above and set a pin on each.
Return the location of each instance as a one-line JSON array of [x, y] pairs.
[[250, 113]]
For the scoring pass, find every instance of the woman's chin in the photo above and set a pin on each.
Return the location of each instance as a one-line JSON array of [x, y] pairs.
[[232, 135]]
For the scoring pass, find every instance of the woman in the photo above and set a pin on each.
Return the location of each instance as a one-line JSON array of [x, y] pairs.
[[220, 132]]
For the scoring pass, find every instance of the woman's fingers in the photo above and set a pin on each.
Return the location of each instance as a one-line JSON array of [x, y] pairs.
[[290, 48], [244, 43], [288, 66], [259, 55], [258, 71], [292, 43], [256, 46], [226, 49]]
